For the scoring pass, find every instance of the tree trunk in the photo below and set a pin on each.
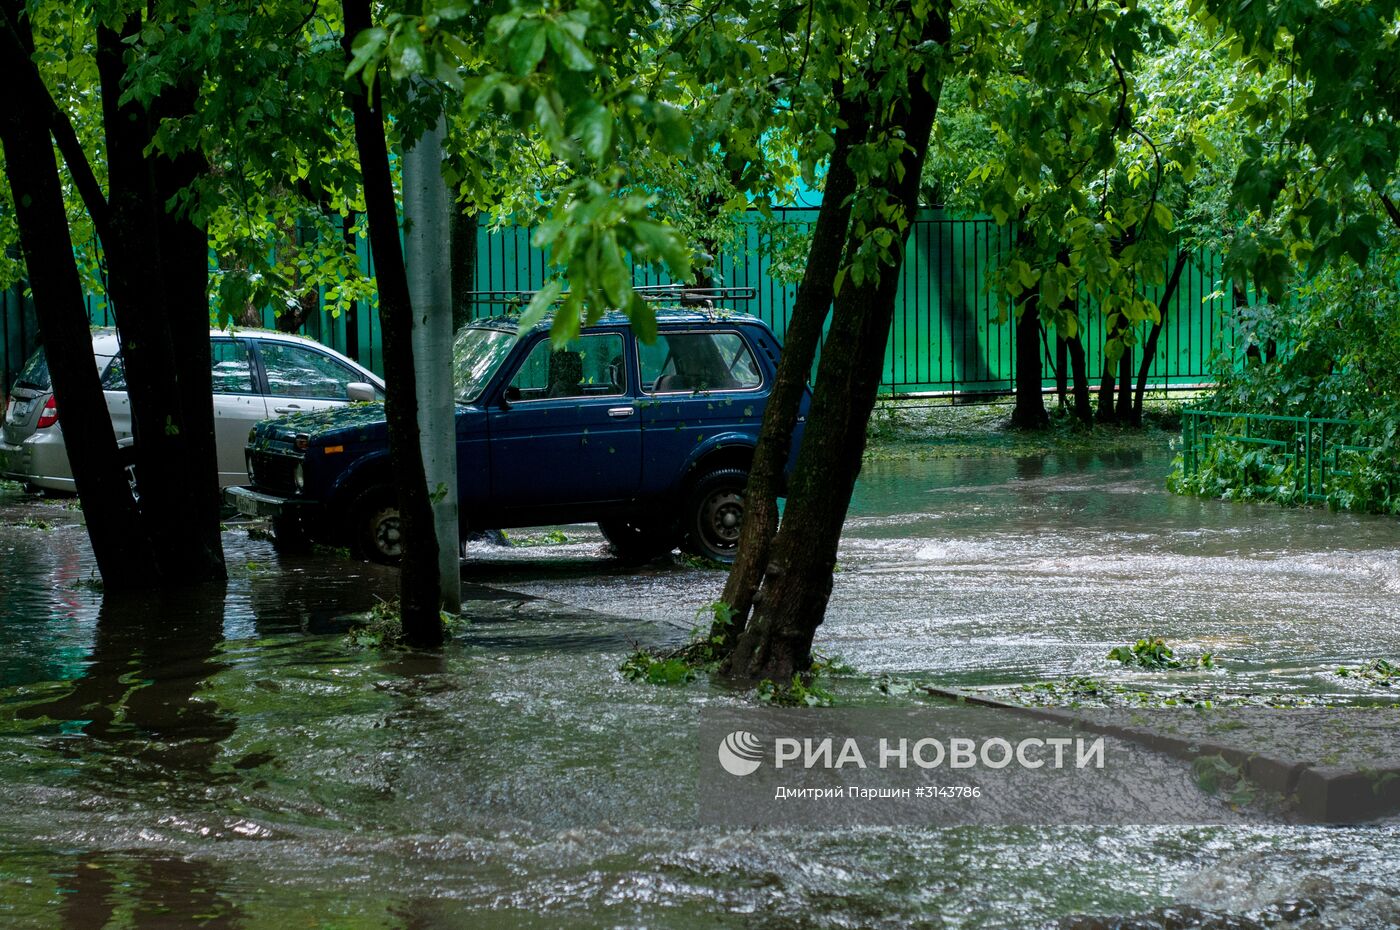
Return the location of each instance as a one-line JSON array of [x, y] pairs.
[[1062, 371], [157, 264], [1083, 405], [804, 329], [1241, 300], [464, 253], [1074, 350], [797, 582], [303, 235], [109, 511], [1123, 406], [1106, 412], [419, 578], [1029, 413], [291, 320], [705, 268], [1149, 349]]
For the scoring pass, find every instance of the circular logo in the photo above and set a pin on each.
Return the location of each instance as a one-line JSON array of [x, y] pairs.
[[740, 753]]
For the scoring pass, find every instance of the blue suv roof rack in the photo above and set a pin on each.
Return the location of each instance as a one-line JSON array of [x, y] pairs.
[[678, 293]]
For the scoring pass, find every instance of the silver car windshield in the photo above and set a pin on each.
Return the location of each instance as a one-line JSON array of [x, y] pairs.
[[476, 354]]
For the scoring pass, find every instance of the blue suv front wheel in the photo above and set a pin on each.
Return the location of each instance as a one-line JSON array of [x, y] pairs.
[[374, 526], [636, 542]]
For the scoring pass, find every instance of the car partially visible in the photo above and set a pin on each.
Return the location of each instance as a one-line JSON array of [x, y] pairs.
[[256, 374]]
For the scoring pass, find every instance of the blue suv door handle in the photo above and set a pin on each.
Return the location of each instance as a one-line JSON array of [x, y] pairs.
[[620, 412]]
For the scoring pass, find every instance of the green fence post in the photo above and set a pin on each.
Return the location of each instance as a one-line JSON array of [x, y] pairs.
[[1307, 457], [1190, 424], [1322, 460]]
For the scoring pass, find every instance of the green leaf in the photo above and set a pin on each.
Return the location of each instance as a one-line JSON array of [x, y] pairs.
[[1206, 146], [643, 317], [1025, 274], [366, 52], [573, 55], [567, 320], [548, 116], [525, 47], [406, 54], [672, 129], [614, 275], [459, 49], [664, 243], [539, 304], [595, 129], [1051, 292]]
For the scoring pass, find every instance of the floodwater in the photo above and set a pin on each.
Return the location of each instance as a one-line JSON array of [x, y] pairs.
[[226, 759]]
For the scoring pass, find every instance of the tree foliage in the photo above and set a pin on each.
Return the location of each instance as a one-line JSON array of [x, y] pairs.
[[1319, 133]]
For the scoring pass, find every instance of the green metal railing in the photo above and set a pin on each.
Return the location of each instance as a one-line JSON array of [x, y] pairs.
[[1320, 450]]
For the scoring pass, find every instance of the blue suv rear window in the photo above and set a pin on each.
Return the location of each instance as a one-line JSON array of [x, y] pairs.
[[692, 362]]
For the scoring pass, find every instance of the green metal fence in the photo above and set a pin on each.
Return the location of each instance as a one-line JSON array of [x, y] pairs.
[[19, 333], [949, 334], [949, 337], [1302, 459]]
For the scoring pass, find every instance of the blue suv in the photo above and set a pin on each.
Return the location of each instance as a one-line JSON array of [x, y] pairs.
[[652, 441]]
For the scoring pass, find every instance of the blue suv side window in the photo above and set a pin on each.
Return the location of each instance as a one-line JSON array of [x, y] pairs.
[[688, 363], [589, 366]]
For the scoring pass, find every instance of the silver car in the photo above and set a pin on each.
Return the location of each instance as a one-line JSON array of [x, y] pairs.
[[257, 374]]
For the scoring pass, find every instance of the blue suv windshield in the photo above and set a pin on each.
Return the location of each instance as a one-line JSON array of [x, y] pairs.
[[476, 354]]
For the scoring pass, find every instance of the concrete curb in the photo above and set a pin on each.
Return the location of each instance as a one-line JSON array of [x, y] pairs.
[[1316, 792]]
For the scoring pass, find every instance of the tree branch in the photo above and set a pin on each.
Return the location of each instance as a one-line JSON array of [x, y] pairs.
[[1122, 94], [1390, 209], [310, 15], [14, 43]]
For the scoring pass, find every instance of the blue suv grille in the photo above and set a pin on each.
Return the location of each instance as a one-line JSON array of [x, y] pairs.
[[274, 472]]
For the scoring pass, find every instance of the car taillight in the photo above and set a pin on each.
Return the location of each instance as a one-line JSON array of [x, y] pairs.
[[49, 415]]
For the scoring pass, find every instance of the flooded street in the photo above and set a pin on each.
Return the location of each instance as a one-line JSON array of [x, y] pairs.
[[227, 759], [969, 572]]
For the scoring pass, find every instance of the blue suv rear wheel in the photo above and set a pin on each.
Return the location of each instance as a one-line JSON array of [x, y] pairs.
[[714, 513]]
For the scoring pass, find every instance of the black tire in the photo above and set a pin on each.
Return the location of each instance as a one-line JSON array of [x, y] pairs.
[[289, 535], [639, 542], [374, 526], [713, 513], [467, 536]]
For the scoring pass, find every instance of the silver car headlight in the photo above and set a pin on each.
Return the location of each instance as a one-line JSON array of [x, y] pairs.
[[299, 477]]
